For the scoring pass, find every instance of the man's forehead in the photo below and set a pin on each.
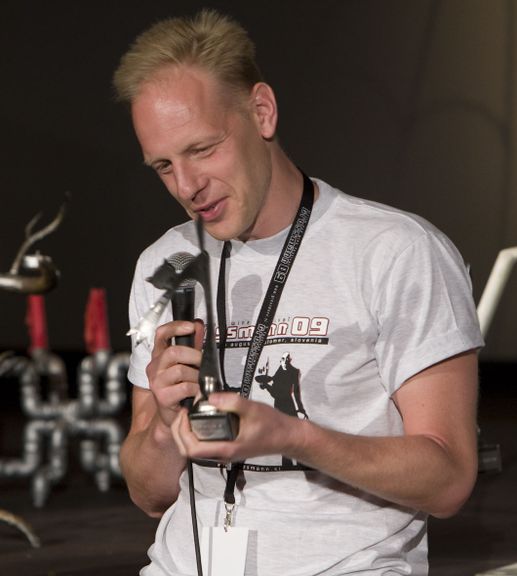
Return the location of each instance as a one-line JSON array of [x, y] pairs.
[[185, 82], [176, 97]]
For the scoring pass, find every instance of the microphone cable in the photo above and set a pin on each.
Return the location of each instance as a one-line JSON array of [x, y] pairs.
[[195, 531], [183, 309], [187, 403]]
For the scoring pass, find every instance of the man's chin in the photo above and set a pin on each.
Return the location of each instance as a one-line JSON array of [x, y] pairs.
[[220, 232]]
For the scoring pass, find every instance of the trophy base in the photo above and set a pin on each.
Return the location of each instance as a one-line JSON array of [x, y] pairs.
[[215, 425]]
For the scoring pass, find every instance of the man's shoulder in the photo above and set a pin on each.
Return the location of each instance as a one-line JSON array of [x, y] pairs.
[[371, 221]]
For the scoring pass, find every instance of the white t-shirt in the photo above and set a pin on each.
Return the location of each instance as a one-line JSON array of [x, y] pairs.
[[375, 296]]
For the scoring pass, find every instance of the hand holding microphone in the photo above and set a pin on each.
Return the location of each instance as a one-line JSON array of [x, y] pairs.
[[183, 300], [177, 277], [206, 421]]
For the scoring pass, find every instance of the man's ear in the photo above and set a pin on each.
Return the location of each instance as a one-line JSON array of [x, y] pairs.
[[264, 107]]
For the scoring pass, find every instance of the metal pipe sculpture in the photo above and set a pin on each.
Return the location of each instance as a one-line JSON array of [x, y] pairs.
[[29, 274], [53, 422], [55, 417]]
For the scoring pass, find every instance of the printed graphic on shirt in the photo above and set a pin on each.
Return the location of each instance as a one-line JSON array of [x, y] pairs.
[[278, 380], [292, 330], [284, 387]]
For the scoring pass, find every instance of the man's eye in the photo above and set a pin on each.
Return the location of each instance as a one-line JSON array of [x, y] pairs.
[[203, 150], [162, 167]]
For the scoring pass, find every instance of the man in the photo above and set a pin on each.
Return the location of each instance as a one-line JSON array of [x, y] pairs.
[[376, 308]]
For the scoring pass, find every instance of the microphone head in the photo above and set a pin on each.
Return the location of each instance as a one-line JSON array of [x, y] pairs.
[[179, 261]]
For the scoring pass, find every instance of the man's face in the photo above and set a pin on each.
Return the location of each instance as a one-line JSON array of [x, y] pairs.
[[209, 148]]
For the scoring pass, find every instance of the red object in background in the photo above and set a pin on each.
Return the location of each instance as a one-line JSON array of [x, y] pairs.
[[36, 321], [96, 331]]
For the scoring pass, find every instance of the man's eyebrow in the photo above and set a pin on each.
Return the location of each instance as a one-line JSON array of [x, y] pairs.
[[150, 162], [200, 143], [197, 144], [205, 142]]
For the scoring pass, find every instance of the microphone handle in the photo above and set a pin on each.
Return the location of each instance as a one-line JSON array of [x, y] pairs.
[[183, 309]]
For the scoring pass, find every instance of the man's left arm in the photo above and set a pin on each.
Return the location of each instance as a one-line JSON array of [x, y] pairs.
[[432, 467]]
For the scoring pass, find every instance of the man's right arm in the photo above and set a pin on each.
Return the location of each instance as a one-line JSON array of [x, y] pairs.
[[150, 461], [149, 458]]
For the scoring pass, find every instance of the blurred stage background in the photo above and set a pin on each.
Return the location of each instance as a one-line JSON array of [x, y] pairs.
[[408, 102]]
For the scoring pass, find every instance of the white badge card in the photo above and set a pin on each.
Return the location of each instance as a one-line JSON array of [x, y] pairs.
[[223, 552]]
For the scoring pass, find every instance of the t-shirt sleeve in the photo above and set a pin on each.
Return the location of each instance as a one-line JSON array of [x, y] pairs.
[[140, 301], [425, 310]]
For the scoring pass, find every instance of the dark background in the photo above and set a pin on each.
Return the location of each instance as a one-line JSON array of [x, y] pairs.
[[409, 102]]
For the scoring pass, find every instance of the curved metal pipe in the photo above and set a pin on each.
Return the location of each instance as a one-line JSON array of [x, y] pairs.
[[31, 401], [32, 237], [38, 276], [21, 525], [115, 385], [11, 364], [48, 475], [52, 366], [102, 464], [90, 369], [32, 451], [113, 369]]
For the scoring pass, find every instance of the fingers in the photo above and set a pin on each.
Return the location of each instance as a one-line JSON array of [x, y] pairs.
[[228, 402], [188, 443], [223, 451], [176, 364], [171, 365], [199, 333], [166, 332], [170, 379], [191, 447], [175, 355], [173, 370], [263, 430], [169, 396]]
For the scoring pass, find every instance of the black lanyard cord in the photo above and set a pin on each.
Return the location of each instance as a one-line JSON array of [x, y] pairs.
[[268, 308], [274, 291], [221, 308]]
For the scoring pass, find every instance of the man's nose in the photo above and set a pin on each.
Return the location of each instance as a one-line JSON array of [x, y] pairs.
[[188, 180]]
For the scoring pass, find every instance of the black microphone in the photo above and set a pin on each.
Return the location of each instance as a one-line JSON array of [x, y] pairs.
[[183, 303], [184, 296]]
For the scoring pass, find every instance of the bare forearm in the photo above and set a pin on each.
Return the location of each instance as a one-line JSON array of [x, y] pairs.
[[431, 467], [152, 465], [414, 471], [419, 471]]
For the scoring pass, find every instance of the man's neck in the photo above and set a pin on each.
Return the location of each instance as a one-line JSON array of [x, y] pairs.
[[282, 200]]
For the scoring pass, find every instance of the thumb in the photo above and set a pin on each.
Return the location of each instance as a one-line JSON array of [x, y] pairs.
[[199, 333], [227, 401]]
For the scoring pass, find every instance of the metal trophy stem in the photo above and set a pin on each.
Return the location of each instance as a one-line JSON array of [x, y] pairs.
[[207, 422]]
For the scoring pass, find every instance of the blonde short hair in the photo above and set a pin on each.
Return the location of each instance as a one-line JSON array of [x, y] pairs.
[[209, 40]]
